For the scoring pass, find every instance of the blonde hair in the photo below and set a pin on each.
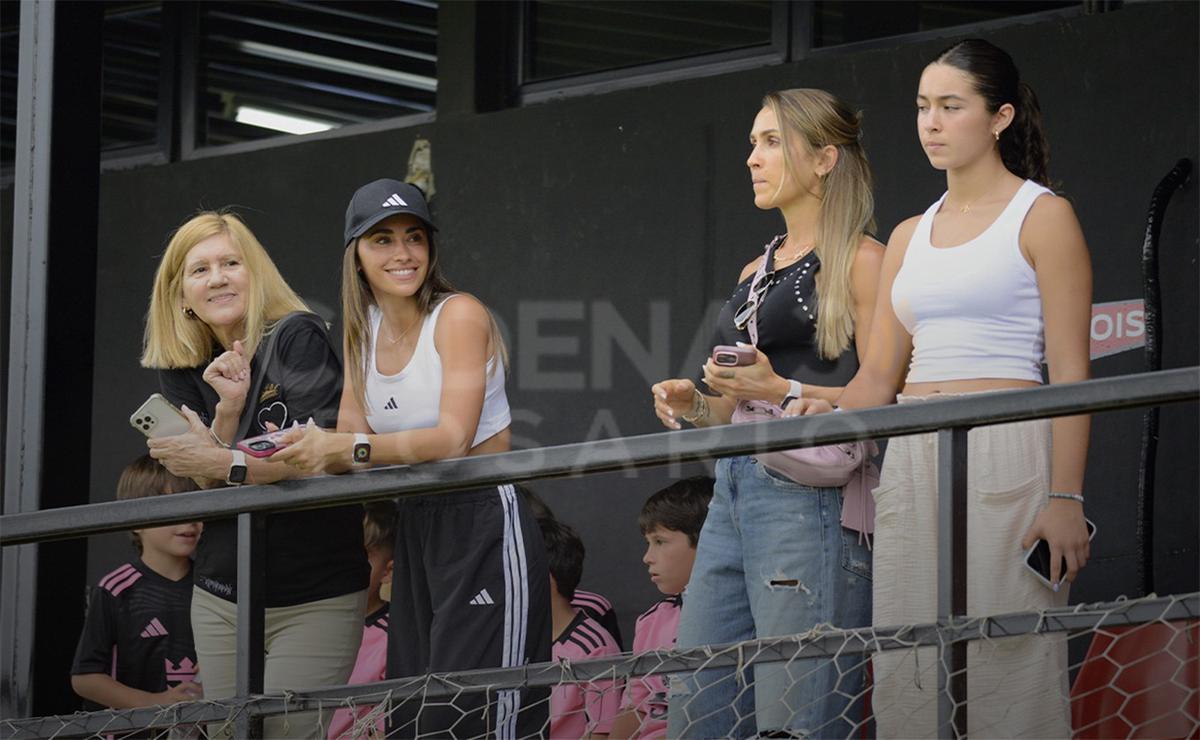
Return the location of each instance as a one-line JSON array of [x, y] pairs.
[[357, 299], [174, 340], [816, 119]]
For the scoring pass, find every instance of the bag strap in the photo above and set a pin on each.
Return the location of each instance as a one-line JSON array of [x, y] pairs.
[[256, 384], [753, 297]]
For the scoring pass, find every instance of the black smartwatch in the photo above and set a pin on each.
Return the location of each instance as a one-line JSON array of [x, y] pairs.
[[362, 448], [237, 469]]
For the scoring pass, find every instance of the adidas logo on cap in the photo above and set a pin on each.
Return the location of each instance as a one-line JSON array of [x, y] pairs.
[[394, 200]]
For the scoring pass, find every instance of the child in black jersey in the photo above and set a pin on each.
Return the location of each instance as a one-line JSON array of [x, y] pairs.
[[136, 648]]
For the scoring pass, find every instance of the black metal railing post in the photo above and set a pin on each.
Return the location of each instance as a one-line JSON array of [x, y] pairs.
[[251, 618], [952, 579]]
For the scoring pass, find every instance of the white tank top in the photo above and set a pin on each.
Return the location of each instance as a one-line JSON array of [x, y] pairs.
[[973, 310], [411, 399]]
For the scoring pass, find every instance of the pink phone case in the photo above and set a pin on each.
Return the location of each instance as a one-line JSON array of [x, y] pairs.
[[728, 355], [264, 445]]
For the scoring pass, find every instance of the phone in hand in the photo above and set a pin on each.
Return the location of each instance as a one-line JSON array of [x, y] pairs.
[[1037, 559], [729, 355], [158, 417], [264, 445]]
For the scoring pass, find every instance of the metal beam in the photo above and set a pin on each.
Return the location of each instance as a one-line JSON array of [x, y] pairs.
[[27, 350], [610, 455], [251, 618], [952, 578]]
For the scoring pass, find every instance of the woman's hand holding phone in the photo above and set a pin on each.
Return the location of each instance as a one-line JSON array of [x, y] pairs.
[[312, 450], [754, 381], [192, 454], [1062, 525]]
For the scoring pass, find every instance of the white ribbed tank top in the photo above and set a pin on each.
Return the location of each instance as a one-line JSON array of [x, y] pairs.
[[973, 310], [411, 399]]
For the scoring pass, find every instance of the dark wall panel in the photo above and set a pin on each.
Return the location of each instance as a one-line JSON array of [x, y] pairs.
[[602, 230]]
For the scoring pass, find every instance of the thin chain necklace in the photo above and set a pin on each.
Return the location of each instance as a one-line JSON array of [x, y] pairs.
[[402, 334], [800, 252]]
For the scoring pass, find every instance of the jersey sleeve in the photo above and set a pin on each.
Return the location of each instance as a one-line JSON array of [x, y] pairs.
[[94, 653], [309, 371]]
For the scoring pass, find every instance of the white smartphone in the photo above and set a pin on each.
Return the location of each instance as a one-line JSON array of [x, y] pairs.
[[158, 417]]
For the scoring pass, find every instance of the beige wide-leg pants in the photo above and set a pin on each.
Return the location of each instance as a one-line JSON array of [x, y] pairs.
[[1016, 687]]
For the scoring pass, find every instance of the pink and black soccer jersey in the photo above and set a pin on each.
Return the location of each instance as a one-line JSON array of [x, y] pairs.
[[601, 610], [369, 667], [656, 630], [138, 630], [578, 710]]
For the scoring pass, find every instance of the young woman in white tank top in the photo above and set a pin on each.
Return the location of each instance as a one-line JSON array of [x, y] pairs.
[[974, 294], [424, 370]]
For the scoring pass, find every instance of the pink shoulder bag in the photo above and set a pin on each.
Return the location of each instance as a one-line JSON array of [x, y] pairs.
[[847, 466]]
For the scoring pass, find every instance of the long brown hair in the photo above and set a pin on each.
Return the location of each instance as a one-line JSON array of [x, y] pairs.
[[357, 299], [815, 119], [172, 339], [1023, 146]]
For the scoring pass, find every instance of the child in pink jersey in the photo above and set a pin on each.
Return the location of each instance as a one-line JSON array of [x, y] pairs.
[[587, 709], [670, 521], [371, 665]]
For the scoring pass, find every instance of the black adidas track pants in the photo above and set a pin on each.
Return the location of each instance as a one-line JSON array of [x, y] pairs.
[[470, 589]]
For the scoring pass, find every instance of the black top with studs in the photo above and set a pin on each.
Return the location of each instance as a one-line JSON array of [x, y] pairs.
[[787, 325]]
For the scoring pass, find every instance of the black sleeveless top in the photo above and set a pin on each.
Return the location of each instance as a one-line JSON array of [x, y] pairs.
[[787, 325]]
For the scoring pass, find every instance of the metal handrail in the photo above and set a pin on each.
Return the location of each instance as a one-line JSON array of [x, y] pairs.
[[624, 453], [951, 418]]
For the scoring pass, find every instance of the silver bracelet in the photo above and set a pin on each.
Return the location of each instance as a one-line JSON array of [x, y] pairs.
[[699, 408], [1071, 496], [213, 433]]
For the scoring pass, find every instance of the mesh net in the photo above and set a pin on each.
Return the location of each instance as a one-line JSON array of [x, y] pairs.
[[1125, 669]]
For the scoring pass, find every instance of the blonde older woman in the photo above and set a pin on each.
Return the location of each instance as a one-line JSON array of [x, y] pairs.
[[222, 321]]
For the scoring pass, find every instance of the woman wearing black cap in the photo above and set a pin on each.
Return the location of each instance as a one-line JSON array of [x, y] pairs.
[[425, 371]]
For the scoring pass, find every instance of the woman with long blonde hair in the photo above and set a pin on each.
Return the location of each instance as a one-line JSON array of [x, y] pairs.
[[425, 366], [773, 558], [218, 305]]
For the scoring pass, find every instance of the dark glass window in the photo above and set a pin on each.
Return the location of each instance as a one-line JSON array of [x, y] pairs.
[[131, 35], [847, 22], [572, 37], [271, 67], [10, 35]]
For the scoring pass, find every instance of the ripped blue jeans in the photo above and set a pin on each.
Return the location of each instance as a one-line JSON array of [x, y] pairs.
[[773, 559]]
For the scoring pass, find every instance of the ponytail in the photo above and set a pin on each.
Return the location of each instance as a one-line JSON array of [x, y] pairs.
[[1023, 146]]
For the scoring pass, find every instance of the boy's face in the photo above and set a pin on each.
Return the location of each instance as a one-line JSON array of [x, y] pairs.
[[379, 558], [669, 558], [173, 540]]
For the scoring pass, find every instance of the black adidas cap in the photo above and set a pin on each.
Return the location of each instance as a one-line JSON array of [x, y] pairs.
[[377, 200]]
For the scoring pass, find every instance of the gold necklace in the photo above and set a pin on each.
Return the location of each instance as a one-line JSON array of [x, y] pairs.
[[402, 334], [800, 253]]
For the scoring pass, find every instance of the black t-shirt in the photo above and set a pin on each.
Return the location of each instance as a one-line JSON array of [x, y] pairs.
[[311, 555], [787, 327], [138, 630]]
